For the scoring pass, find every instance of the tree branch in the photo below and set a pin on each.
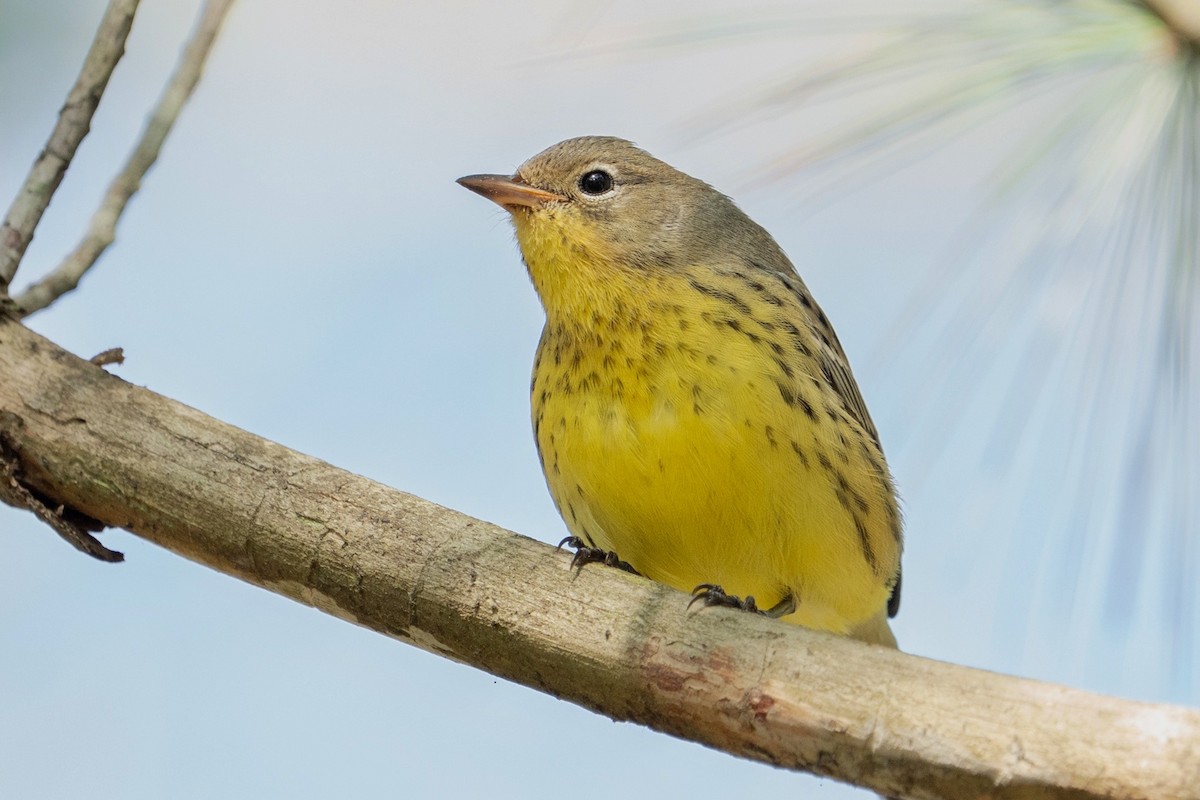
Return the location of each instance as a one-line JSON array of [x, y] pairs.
[[609, 641], [74, 122], [102, 230], [70, 527]]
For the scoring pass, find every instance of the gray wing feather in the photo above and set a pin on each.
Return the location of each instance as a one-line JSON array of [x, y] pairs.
[[837, 372]]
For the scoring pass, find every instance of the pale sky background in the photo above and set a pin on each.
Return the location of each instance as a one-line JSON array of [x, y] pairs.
[[301, 264]]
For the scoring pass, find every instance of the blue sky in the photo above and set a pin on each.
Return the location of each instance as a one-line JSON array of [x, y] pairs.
[[301, 264]]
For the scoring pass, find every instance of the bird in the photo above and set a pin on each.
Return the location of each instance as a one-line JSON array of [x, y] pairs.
[[695, 415]]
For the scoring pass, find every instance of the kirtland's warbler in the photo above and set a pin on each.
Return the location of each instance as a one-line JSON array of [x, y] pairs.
[[693, 409]]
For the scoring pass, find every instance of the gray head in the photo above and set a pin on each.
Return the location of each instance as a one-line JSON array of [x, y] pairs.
[[646, 213]]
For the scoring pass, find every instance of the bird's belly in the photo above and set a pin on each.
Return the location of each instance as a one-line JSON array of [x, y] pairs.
[[693, 480]]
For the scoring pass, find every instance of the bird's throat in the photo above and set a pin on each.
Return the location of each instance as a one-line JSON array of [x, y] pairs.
[[583, 289]]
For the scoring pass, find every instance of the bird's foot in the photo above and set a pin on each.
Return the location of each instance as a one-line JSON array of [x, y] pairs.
[[713, 595], [586, 554]]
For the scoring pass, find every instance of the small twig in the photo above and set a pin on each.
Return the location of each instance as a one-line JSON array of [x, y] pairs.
[[103, 228], [74, 122], [113, 355], [69, 525]]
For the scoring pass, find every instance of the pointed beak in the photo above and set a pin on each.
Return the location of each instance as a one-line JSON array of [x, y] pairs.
[[511, 193]]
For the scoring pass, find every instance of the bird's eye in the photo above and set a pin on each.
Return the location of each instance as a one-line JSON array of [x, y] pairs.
[[596, 182]]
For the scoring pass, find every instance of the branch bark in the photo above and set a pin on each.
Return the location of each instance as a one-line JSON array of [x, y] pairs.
[[601, 638], [102, 230], [74, 122], [71, 527]]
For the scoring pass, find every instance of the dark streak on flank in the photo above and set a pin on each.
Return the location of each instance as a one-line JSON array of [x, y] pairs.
[[786, 393], [893, 517], [733, 325], [806, 407], [846, 493], [766, 294], [720, 294], [864, 541], [797, 338], [799, 451]]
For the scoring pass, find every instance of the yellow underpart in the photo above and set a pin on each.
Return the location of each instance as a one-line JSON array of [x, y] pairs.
[[671, 433]]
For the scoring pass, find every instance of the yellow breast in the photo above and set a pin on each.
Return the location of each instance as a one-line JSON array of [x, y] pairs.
[[681, 424]]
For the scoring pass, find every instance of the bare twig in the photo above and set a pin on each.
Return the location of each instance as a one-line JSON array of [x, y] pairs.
[[103, 228], [113, 355], [602, 638], [69, 525], [74, 122]]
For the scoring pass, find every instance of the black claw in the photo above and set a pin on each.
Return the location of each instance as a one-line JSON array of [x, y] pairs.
[[713, 595], [586, 554]]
